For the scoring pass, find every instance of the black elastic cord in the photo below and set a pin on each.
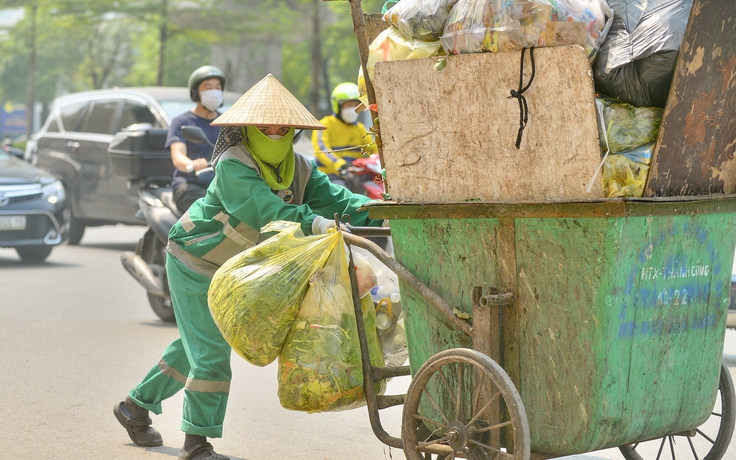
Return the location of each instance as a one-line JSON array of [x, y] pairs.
[[523, 108], [277, 171]]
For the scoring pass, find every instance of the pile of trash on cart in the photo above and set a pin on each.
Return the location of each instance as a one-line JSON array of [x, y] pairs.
[[631, 45]]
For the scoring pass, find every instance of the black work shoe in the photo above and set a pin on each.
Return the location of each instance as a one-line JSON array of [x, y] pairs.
[[201, 451], [140, 431]]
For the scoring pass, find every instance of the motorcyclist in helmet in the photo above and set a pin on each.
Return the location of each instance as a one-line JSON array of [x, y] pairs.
[[205, 88], [337, 146]]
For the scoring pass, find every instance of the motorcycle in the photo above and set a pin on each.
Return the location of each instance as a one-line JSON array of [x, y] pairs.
[[364, 176], [147, 264]]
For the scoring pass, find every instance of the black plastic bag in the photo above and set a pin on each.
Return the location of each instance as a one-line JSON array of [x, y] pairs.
[[637, 60]]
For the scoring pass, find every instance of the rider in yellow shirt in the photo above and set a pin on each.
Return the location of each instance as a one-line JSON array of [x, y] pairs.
[[337, 146]]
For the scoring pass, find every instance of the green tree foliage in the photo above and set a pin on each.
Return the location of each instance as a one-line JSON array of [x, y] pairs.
[[339, 52], [87, 44], [340, 47]]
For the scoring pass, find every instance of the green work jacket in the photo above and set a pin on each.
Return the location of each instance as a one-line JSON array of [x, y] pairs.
[[239, 203]]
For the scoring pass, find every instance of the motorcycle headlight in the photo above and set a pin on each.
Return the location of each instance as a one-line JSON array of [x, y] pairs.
[[54, 192]]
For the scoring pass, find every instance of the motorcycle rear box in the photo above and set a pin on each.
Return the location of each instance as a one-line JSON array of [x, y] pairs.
[[136, 155]]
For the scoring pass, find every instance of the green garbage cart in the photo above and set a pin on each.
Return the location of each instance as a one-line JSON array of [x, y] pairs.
[[554, 329], [542, 319]]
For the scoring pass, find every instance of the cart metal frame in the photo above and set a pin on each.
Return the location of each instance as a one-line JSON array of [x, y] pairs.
[[486, 328]]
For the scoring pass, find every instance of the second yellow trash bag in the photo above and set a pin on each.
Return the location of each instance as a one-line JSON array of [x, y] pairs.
[[320, 367], [392, 45], [255, 296], [623, 177]]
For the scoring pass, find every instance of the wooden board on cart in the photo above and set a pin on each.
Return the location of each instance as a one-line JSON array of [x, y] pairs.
[[697, 138], [449, 135]]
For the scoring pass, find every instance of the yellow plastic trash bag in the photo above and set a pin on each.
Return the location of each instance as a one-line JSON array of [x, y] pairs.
[[255, 296], [320, 367], [391, 45], [623, 177], [362, 90]]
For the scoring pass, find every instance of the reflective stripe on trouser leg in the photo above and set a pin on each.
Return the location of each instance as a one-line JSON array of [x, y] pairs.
[[208, 382], [164, 380]]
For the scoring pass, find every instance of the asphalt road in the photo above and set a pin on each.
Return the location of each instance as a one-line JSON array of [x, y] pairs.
[[76, 333]]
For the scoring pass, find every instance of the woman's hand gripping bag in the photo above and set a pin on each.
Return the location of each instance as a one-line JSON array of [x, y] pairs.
[[320, 365], [255, 296]]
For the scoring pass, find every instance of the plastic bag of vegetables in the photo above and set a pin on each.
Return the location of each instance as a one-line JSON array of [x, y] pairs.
[[320, 367], [626, 127], [255, 296]]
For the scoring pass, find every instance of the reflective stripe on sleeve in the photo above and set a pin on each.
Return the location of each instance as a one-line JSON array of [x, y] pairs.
[[186, 222], [232, 233], [201, 238], [324, 150], [320, 142]]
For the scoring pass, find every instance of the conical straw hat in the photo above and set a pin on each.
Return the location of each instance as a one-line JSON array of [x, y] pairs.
[[268, 102]]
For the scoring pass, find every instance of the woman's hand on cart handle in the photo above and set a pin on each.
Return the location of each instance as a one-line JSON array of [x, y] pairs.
[[321, 225]]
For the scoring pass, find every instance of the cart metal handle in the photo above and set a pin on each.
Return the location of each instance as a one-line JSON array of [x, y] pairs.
[[368, 231], [406, 276]]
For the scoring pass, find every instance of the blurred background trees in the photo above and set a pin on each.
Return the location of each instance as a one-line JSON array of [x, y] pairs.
[[53, 47]]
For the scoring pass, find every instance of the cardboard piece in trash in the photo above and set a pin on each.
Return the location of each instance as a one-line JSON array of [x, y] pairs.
[[449, 135], [696, 146]]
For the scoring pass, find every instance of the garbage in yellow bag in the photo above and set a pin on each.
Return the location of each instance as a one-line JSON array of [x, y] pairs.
[[362, 90], [392, 45], [320, 367], [631, 131], [255, 296], [624, 177]]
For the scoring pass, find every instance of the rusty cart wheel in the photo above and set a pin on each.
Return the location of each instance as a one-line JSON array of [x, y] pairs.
[[462, 404], [708, 442]]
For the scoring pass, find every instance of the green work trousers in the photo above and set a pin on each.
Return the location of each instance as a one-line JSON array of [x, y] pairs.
[[198, 361]]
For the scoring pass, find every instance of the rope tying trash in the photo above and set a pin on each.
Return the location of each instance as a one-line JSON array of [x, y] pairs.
[[523, 108]]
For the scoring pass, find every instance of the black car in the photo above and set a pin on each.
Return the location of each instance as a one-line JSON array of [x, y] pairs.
[[73, 146], [34, 212]]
